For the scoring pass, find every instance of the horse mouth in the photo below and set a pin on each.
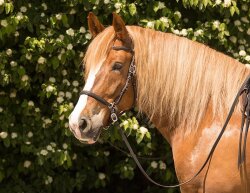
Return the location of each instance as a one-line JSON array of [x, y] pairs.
[[89, 137]]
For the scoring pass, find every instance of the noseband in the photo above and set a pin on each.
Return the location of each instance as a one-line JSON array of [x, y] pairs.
[[130, 77]]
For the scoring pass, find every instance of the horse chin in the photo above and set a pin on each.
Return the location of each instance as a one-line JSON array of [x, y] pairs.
[[89, 137]]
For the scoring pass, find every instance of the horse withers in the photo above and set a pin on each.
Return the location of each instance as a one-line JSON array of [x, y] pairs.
[[184, 87]]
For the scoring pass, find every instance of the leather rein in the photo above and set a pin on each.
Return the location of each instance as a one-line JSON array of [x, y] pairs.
[[244, 91]]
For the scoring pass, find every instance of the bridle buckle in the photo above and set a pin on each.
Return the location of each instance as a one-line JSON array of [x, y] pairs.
[[114, 117]]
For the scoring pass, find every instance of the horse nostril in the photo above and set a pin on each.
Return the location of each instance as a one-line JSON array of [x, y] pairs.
[[84, 124]]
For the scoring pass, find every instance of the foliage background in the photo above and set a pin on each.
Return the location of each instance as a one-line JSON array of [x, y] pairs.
[[41, 47]]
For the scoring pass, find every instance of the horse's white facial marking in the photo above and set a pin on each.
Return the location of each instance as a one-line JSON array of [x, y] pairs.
[[75, 116], [207, 140]]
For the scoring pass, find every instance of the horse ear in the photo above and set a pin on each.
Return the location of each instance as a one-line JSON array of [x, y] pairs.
[[120, 29], [95, 26]]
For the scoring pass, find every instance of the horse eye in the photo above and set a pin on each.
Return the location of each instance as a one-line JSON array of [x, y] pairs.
[[117, 66]]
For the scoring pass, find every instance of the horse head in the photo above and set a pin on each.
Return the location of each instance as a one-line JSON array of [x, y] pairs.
[[109, 87]]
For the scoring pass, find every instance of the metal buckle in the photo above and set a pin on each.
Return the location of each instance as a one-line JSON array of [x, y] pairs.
[[114, 117]]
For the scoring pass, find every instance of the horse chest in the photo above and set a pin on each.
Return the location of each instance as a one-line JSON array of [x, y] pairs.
[[222, 175]]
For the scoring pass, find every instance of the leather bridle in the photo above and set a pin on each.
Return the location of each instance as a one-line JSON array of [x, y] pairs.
[[244, 91], [114, 112]]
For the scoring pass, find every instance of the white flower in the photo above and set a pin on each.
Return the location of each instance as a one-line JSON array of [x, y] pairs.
[[154, 164], [198, 32], [25, 78], [64, 72], [218, 2], [44, 152], [68, 95], [150, 24], [3, 134], [247, 58], [162, 165], [244, 7], [42, 26], [161, 5], [65, 146], [58, 16], [106, 153], [184, 32], [227, 3], [28, 56], [244, 19], [237, 22], [216, 23], [41, 60], [30, 134], [44, 5], [74, 156], [19, 16], [13, 63], [13, 135], [165, 21], [143, 130], [50, 179], [66, 125], [135, 126], [27, 164], [49, 148], [1, 2], [4, 23], [72, 11], [1, 109], [70, 47], [101, 176], [106, 1], [50, 88], [31, 103], [70, 32], [42, 15], [118, 5], [37, 110], [176, 31], [59, 99], [233, 39], [13, 94], [248, 31], [52, 79], [178, 14], [16, 34], [75, 83], [9, 52], [82, 30], [242, 53], [23, 9], [47, 121], [88, 36]]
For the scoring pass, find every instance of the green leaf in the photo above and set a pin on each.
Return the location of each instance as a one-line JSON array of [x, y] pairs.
[[232, 10], [8, 8], [132, 9], [65, 20], [55, 62]]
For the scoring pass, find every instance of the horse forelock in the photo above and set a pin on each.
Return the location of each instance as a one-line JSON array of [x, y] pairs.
[[98, 49], [176, 78]]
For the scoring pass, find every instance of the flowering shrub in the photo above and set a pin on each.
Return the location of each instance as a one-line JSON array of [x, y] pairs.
[[42, 44]]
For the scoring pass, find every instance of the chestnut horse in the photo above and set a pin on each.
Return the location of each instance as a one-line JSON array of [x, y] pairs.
[[184, 87]]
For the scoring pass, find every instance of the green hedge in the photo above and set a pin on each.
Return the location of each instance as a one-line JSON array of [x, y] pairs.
[[42, 44]]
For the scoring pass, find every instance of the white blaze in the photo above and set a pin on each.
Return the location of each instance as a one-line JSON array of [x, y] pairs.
[[82, 101]]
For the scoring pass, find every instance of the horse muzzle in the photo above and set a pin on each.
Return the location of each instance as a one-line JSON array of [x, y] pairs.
[[83, 130]]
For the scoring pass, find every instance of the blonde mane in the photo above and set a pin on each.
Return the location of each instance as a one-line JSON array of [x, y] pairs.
[[176, 78]]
